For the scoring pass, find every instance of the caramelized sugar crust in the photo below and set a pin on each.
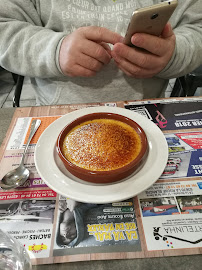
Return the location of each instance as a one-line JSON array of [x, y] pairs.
[[102, 145]]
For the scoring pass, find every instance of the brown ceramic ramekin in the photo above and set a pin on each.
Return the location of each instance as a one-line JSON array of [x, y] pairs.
[[110, 175]]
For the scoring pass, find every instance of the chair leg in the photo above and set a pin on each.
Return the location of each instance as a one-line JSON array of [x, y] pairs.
[[192, 85], [179, 88], [17, 92], [15, 77]]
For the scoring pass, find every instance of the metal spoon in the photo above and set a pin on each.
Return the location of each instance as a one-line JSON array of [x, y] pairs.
[[18, 176]]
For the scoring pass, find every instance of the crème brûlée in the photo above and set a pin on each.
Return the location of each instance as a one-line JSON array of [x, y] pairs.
[[101, 145]]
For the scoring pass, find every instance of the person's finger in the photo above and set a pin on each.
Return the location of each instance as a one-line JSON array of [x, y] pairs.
[[153, 44], [136, 56], [96, 51], [134, 70], [89, 63], [101, 34]]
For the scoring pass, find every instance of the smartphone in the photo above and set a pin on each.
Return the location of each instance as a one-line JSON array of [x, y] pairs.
[[150, 20]]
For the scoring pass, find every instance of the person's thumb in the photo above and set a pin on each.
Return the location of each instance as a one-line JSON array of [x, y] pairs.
[[167, 31]]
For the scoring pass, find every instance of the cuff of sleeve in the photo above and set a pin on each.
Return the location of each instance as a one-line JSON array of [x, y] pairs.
[[57, 56]]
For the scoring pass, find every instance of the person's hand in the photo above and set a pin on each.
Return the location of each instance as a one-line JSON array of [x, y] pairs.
[[85, 51], [139, 63]]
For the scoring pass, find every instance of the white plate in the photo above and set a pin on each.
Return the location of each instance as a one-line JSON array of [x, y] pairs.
[[54, 174]]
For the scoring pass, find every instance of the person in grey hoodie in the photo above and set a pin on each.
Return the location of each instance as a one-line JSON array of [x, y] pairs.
[[73, 52]]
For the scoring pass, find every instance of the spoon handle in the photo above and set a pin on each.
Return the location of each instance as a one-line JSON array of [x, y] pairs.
[[34, 126]]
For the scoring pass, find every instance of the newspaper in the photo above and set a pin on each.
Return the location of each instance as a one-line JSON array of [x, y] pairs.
[[164, 220]]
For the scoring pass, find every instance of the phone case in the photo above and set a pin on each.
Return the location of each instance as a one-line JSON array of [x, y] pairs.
[[150, 20]]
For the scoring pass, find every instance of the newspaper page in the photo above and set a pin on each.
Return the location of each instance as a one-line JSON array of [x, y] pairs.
[[164, 220]]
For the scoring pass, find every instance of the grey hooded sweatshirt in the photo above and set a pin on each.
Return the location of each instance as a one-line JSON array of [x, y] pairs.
[[31, 32]]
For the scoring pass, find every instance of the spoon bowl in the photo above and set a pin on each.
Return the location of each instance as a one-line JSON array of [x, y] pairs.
[[19, 175], [15, 178]]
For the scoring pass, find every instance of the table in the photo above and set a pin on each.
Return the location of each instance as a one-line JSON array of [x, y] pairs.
[[179, 262]]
